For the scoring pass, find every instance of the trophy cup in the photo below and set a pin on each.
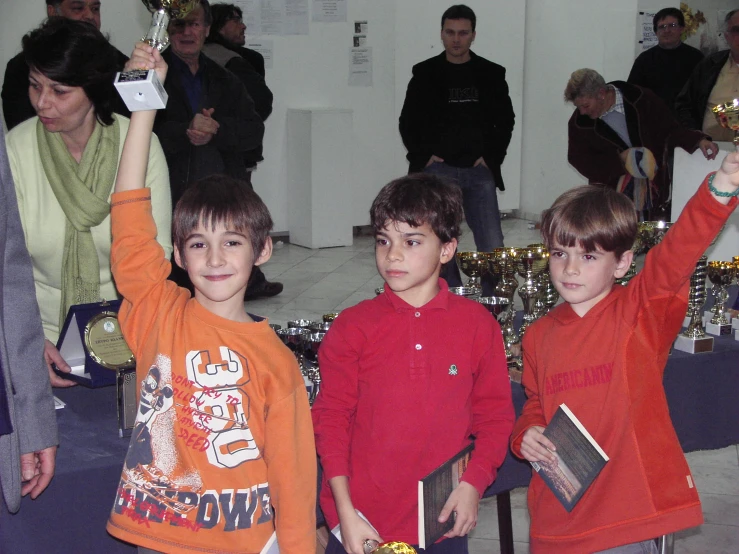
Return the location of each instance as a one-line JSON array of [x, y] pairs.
[[648, 235], [503, 265], [468, 292], [531, 263], [329, 318], [141, 89], [309, 366], [694, 340], [548, 295], [474, 265], [727, 116], [394, 547], [720, 274], [735, 319]]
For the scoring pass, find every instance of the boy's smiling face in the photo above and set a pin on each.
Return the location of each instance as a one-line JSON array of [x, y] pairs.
[[585, 278], [219, 262], [410, 258]]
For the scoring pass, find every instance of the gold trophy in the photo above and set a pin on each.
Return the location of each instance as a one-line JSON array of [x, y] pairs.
[[531, 263], [548, 295], [141, 89], [393, 547], [727, 116], [648, 235], [720, 274], [474, 265], [694, 340], [503, 265]]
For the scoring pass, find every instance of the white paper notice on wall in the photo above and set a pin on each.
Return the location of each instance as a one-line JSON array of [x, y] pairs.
[[329, 11], [645, 35], [360, 67], [266, 48]]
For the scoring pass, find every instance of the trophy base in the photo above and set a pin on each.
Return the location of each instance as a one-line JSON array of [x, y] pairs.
[[694, 346], [718, 330], [735, 324], [736, 334], [141, 90]]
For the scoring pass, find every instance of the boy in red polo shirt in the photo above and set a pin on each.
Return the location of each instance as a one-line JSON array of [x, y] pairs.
[[407, 378]]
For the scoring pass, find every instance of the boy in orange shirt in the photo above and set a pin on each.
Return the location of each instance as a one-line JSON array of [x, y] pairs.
[[603, 353], [222, 454]]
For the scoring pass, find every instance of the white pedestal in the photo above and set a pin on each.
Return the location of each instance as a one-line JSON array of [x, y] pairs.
[[694, 346], [735, 324], [718, 330], [689, 172], [320, 149]]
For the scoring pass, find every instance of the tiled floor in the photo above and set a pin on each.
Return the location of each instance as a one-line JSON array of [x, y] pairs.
[[328, 280]]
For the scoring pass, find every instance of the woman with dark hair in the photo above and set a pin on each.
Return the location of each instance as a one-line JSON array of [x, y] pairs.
[[64, 163]]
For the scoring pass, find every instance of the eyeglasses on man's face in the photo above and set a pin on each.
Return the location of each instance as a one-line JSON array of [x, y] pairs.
[[665, 26]]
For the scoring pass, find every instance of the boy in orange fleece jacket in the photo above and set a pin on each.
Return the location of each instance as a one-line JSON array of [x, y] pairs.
[[222, 453], [603, 353]]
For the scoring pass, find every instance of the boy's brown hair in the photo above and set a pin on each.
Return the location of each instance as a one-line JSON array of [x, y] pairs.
[[591, 216], [417, 199], [221, 199]]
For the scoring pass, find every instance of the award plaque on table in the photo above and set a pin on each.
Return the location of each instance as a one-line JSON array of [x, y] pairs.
[[92, 344]]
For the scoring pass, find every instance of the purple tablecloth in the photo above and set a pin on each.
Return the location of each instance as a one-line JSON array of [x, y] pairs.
[[702, 391]]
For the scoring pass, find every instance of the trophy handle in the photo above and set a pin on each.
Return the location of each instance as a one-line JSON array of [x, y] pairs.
[[158, 37]]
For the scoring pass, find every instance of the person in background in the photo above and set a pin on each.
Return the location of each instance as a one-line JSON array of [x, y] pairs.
[[64, 163], [714, 81], [16, 104], [457, 121], [621, 137], [665, 68], [28, 432]]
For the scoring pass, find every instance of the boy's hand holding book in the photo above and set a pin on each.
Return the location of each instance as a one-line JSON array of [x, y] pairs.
[[463, 503], [536, 447]]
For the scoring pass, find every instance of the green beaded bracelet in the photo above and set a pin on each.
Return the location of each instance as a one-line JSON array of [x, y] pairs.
[[720, 193]]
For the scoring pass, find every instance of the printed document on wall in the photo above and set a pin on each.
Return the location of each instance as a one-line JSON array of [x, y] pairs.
[[266, 48], [360, 67], [329, 11]]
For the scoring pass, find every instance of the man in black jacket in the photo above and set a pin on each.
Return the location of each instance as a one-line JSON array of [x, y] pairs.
[[224, 45], [209, 122], [456, 122], [16, 105], [714, 81]]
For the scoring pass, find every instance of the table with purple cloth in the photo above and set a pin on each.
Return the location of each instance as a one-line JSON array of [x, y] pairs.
[[70, 516]]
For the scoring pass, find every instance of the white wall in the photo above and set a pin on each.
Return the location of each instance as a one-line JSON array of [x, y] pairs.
[[589, 33]]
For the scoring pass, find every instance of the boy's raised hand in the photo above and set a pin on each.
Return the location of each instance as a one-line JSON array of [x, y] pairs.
[[463, 502], [147, 57], [535, 447]]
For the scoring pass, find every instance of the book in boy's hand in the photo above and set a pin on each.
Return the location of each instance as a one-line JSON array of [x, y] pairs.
[[434, 491], [579, 458]]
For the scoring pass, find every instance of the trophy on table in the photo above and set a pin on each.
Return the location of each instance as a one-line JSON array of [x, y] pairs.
[[648, 235], [720, 274], [141, 89], [727, 116], [474, 265], [548, 295], [530, 265], [735, 319], [694, 339], [394, 547], [503, 265]]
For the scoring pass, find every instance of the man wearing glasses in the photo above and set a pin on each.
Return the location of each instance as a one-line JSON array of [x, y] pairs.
[[714, 81], [665, 68]]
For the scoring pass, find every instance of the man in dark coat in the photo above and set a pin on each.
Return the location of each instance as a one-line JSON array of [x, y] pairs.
[[666, 67], [209, 122], [16, 105], [615, 128], [457, 122], [714, 81], [224, 45]]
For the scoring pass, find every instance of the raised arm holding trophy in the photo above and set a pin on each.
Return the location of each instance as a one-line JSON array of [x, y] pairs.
[[141, 89]]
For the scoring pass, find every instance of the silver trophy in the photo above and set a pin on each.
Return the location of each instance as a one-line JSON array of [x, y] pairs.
[[721, 274], [141, 89], [694, 339]]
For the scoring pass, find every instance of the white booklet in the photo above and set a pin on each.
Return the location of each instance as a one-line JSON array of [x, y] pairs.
[[271, 547], [337, 530]]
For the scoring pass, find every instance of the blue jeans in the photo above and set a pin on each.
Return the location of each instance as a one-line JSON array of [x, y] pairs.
[[480, 203], [457, 545], [645, 547]]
